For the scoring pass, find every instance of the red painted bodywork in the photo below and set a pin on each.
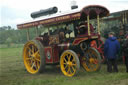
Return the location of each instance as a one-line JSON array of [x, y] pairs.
[[99, 48], [55, 53], [78, 40], [52, 54], [84, 37], [48, 54]]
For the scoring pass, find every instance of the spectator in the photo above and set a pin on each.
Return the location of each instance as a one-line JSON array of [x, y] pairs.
[[125, 52], [111, 49]]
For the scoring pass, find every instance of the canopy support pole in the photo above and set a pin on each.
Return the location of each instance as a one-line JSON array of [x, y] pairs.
[[88, 25], [28, 38], [123, 15], [126, 17], [48, 31], [36, 31], [98, 24]]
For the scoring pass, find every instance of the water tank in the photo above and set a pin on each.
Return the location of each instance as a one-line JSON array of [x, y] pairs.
[[48, 11]]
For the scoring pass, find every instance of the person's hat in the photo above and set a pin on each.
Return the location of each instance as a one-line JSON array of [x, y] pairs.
[[111, 33]]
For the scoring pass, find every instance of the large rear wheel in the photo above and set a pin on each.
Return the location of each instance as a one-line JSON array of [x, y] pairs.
[[91, 61], [69, 63], [33, 56]]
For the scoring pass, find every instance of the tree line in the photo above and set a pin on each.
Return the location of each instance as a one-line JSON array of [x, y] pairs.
[[10, 35]]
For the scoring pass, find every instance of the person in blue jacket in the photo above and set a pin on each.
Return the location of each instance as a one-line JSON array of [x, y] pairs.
[[111, 49]]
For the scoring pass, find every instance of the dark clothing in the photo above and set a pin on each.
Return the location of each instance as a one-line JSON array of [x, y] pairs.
[[110, 63], [125, 48], [125, 53], [111, 48], [126, 63]]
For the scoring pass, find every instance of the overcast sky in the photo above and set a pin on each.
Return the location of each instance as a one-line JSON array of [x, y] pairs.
[[14, 12]]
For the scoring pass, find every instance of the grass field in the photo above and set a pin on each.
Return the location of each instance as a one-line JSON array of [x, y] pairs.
[[12, 72]]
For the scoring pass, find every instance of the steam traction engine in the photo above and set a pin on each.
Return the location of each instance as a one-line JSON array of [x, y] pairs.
[[72, 42]]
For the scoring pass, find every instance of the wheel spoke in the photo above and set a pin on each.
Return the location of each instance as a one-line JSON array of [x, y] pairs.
[[94, 56], [37, 59], [32, 65], [90, 55], [73, 64], [96, 61], [73, 60], [69, 70], [73, 68], [31, 61], [29, 53], [65, 63], [88, 65], [32, 49], [37, 56], [65, 60], [28, 58], [29, 49], [69, 57], [36, 53], [66, 66], [37, 65], [87, 56], [91, 66]]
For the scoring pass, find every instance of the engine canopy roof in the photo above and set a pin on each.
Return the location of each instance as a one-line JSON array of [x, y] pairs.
[[91, 10]]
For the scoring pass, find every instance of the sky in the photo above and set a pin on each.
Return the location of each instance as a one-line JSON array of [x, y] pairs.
[[13, 12]]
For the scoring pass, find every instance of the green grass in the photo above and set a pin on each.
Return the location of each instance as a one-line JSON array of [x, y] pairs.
[[12, 72], [12, 45]]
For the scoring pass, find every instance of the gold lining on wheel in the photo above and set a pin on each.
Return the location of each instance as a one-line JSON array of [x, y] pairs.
[[68, 64], [31, 57]]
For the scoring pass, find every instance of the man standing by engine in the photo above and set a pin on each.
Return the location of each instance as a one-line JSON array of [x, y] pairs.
[[125, 52], [111, 49]]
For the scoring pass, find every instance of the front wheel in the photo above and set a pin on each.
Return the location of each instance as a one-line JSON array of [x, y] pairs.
[[69, 63], [91, 61], [33, 56]]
